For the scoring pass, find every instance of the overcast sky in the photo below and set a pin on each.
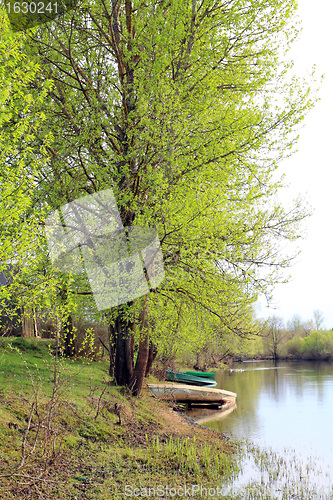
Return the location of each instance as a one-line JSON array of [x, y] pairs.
[[310, 172]]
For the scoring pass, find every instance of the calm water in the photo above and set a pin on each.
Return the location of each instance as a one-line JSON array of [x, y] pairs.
[[287, 407]]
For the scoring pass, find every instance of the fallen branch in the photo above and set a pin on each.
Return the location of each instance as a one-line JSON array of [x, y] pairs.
[[101, 341]]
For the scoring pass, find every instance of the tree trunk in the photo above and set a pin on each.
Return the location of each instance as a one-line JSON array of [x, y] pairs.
[[123, 364], [112, 341], [197, 364], [27, 323], [36, 323], [151, 357], [142, 358]]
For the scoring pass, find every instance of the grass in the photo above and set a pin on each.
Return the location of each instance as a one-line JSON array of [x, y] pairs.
[[68, 433], [19, 356]]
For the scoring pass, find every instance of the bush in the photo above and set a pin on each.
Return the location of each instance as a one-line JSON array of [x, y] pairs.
[[317, 345], [294, 347]]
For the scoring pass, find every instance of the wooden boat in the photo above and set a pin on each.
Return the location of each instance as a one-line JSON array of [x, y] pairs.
[[184, 378], [183, 393], [209, 375]]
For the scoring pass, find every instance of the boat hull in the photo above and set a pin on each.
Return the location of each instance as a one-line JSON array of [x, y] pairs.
[[209, 375], [182, 393], [184, 378]]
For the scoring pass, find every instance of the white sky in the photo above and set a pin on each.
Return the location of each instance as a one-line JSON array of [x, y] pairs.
[[310, 173]]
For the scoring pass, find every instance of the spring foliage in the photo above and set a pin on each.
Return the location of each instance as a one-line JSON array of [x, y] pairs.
[[185, 109]]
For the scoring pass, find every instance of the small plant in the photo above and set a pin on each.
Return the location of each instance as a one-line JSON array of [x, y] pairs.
[[42, 431], [186, 456]]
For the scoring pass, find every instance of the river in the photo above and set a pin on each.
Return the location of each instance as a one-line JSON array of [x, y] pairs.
[[284, 412]]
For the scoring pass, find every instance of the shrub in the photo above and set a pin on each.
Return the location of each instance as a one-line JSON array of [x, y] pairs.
[[294, 347], [316, 346]]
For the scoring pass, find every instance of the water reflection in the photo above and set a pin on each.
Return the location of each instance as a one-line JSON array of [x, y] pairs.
[[283, 405], [202, 416]]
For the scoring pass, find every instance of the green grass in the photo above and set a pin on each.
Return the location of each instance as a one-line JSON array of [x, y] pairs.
[[79, 445]]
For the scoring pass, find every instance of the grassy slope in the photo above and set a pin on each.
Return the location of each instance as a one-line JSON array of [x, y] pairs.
[[92, 439]]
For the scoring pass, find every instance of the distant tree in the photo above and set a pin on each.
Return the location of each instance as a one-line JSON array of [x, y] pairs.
[[318, 319], [274, 335], [294, 325], [307, 327]]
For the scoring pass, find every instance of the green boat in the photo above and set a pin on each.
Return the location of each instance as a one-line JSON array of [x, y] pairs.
[[210, 375], [185, 378]]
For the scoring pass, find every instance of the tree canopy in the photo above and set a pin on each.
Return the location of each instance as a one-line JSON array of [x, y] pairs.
[[185, 109]]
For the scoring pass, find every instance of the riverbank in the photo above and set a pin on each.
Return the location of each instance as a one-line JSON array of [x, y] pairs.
[[66, 433]]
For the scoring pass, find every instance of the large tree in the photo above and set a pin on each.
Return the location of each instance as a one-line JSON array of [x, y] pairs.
[[182, 109], [274, 335]]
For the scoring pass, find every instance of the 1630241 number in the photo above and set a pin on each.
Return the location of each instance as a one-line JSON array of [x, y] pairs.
[[32, 8]]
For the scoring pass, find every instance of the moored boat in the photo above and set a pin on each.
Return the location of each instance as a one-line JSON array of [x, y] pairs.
[[186, 393], [185, 378], [210, 375]]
